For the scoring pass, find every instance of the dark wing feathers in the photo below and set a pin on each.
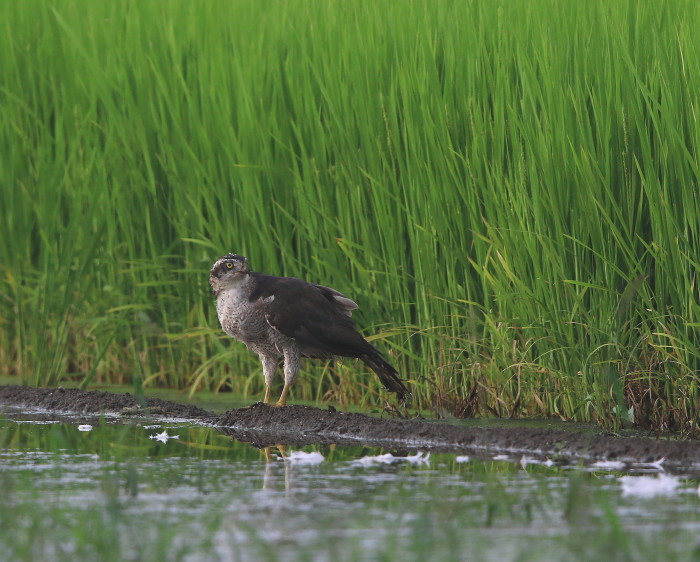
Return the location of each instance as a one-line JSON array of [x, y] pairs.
[[318, 318], [311, 314]]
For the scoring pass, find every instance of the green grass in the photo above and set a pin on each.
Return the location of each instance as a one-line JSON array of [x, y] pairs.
[[508, 189]]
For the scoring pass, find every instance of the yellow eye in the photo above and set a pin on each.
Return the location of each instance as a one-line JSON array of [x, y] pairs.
[[229, 265]]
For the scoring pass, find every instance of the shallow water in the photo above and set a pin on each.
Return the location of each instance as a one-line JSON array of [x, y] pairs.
[[181, 491]]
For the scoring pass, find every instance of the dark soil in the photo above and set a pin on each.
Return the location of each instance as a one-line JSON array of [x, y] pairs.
[[264, 425], [95, 402]]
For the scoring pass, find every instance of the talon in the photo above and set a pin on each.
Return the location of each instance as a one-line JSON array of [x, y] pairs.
[[283, 397]]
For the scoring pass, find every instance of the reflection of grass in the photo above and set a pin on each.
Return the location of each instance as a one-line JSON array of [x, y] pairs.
[[513, 206], [112, 532], [176, 502]]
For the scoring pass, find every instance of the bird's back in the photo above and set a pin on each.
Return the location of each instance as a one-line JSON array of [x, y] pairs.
[[315, 316]]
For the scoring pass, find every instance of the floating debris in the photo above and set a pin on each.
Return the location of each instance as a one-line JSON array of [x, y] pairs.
[[301, 457], [525, 460], [163, 437], [388, 458], [656, 465], [85, 427], [649, 486], [609, 465]]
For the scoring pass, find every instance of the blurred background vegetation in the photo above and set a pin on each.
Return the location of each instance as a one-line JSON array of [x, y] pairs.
[[508, 189]]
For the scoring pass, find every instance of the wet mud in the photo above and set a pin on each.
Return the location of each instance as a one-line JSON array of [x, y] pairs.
[[263, 425]]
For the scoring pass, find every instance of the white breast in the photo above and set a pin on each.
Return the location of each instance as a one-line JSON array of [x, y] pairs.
[[239, 318]]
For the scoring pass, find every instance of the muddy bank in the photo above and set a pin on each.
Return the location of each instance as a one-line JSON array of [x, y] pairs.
[[264, 425], [95, 402]]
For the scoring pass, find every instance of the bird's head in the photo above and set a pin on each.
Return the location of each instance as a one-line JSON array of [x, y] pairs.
[[227, 271]]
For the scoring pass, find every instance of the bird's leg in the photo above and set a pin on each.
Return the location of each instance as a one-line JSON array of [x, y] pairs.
[[269, 365], [291, 366], [283, 397]]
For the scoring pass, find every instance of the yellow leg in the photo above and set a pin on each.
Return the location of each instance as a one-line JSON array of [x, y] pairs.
[[283, 397], [268, 452], [266, 400]]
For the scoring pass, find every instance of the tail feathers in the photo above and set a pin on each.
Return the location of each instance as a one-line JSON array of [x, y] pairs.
[[388, 376]]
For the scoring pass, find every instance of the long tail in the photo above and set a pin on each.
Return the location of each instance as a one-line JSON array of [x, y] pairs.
[[386, 373]]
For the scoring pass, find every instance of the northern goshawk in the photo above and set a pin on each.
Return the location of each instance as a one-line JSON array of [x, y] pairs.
[[284, 318]]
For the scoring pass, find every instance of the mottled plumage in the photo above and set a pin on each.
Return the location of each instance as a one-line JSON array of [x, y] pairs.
[[284, 318]]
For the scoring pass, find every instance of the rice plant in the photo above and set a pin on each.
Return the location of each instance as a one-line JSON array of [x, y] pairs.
[[508, 189]]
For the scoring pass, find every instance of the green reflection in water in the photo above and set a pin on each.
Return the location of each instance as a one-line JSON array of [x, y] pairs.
[[116, 493]]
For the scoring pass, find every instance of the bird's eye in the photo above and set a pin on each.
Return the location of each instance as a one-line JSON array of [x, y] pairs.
[[229, 265]]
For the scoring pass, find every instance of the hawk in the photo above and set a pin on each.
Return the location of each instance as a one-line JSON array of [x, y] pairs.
[[285, 319]]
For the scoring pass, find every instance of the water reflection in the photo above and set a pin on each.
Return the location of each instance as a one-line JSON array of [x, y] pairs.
[[228, 499], [271, 474]]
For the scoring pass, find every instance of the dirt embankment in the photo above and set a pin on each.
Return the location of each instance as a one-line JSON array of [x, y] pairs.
[[302, 425]]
